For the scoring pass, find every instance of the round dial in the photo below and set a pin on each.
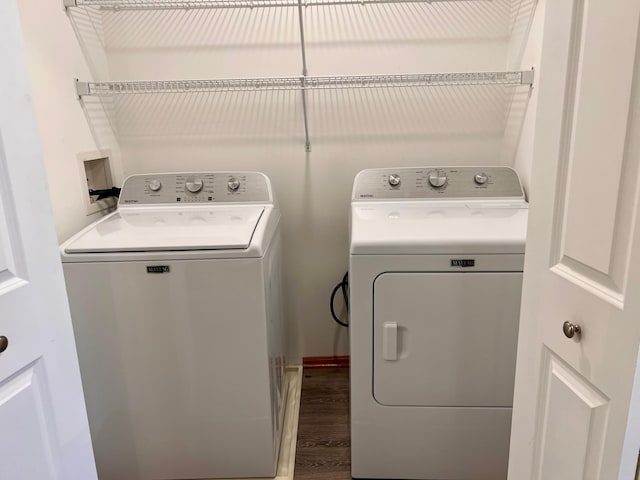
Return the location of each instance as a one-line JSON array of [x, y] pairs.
[[155, 185], [193, 184], [480, 178], [233, 184], [437, 179], [394, 179]]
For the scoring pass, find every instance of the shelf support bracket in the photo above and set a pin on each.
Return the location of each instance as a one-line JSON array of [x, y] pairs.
[[303, 80], [307, 143], [82, 88], [528, 77]]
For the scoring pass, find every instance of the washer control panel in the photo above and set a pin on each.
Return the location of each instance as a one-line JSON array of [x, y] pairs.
[[196, 188], [437, 182]]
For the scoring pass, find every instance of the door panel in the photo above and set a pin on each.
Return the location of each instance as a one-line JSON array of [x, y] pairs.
[[573, 420], [592, 188], [598, 182], [24, 406], [445, 338], [11, 255]]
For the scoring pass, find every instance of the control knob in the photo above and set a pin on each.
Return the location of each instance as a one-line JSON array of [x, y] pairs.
[[233, 184], [480, 178], [394, 179], [193, 184], [155, 185], [437, 180]]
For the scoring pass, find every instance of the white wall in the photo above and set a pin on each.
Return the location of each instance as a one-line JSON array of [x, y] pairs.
[[350, 129], [523, 157], [54, 58]]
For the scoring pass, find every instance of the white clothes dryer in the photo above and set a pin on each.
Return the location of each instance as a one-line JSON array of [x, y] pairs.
[[176, 307], [435, 272]]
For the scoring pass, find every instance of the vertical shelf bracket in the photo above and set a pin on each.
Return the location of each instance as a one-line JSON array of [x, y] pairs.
[[303, 80], [307, 143]]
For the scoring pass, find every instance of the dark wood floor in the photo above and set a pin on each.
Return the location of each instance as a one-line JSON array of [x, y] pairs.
[[323, 448]]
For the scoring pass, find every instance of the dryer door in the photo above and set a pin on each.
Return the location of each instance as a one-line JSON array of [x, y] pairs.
[[446, 339]]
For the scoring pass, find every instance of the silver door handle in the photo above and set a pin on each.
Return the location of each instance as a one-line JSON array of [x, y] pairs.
[[571, 329]]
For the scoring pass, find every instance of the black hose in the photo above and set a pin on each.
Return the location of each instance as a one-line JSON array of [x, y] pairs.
[[344, 286], [105, 193]]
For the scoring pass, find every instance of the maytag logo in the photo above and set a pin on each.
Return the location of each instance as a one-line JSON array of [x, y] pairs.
[[463, 262], [158, 269]]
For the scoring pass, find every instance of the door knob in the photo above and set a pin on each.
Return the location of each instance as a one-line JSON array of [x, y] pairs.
[[571, 329], [4, 343]]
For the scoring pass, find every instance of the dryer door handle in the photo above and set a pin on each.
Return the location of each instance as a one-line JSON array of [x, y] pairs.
[[390, 341]]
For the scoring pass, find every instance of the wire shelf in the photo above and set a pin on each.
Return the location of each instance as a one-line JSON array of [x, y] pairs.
[[127, 5], [419, 80], [305, 83], [207, 4], [188, 86]]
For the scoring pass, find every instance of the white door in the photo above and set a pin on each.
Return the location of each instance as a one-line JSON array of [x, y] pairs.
[[44, 432], [577, 401]]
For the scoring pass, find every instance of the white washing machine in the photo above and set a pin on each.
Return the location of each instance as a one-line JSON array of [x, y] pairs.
[[176, 306], [435, 282]]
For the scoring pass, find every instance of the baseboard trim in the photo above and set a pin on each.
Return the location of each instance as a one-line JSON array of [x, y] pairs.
[[339, 361]]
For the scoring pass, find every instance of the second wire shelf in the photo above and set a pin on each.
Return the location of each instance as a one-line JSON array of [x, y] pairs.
[[304, 83]]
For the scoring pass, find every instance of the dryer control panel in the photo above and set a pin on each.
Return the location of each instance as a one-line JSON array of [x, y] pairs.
[[196, 188], [437, 183]]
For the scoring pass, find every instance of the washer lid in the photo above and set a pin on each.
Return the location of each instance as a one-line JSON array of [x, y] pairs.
[[171, 229]]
